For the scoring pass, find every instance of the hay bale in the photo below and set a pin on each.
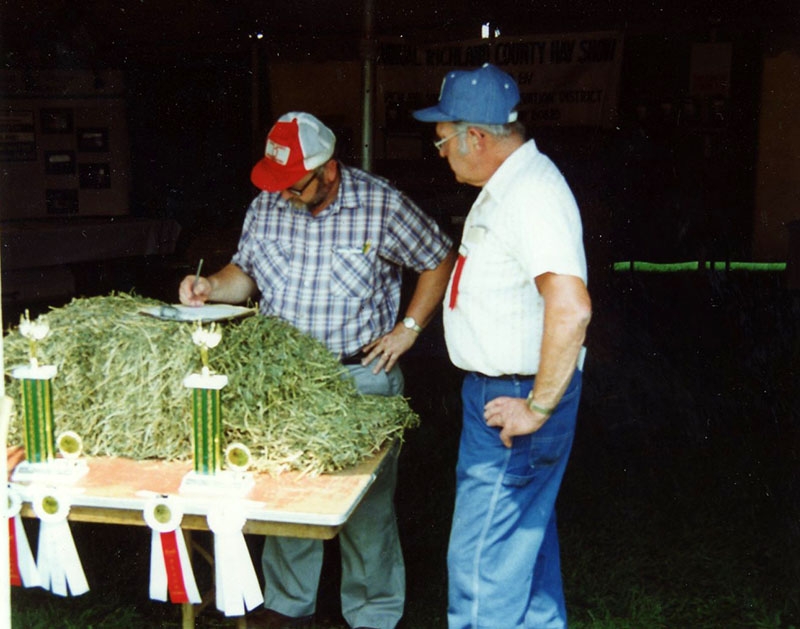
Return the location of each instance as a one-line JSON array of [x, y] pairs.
[[119, 386]]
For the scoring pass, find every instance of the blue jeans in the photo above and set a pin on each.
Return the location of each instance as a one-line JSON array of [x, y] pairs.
[[503, 558]]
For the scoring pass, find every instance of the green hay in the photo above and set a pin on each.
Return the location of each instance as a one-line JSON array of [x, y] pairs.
[[120, 386]]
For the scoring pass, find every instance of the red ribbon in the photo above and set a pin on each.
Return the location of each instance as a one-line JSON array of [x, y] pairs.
[[456, 278], [13, 560], [172, 562]]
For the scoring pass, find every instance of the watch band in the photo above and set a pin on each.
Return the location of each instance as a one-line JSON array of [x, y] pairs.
[[535, 407]]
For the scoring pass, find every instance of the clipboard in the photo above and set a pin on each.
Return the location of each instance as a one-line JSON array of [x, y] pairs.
[[206, 312]]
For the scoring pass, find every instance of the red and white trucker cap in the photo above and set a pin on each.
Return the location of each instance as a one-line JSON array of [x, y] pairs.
[[297, 144]]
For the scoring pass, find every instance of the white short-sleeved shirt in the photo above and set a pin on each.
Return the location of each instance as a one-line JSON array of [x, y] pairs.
[[524, 223]]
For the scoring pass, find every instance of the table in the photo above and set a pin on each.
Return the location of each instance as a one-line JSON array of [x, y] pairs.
[[115, 490]]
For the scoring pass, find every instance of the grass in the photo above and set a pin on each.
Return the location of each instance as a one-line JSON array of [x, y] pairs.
[[39, 610], [672, 556], [680, 507]]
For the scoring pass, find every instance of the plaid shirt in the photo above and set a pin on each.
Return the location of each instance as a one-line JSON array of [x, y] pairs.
[[337, 275]]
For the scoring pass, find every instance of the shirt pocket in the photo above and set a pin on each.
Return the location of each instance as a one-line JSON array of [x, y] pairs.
[[477, 273], [352, 272], [273, 265]]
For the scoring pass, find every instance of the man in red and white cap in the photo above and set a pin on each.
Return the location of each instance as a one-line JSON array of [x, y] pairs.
[[325, 245]]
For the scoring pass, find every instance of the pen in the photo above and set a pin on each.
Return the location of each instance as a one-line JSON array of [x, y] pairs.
[[197, 274]]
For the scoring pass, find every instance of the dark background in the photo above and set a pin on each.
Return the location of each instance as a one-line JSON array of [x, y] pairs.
[[689, 418], [656, 188]]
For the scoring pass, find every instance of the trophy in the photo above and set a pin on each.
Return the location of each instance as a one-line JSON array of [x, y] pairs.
[[206, 390], [36, 386]]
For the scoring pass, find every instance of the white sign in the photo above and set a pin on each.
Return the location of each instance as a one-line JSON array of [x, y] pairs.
[[568, 79]]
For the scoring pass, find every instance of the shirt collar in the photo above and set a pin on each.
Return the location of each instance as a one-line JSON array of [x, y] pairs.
[[347, 195], [348, 190], [504, 176]]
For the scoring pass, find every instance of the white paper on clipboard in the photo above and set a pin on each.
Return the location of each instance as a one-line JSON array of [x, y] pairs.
[[206, 312]]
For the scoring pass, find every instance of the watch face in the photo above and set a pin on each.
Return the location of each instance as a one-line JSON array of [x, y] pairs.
[[411, 324]]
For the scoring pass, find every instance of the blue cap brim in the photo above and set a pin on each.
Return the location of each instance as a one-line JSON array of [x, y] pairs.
[[432, 114]]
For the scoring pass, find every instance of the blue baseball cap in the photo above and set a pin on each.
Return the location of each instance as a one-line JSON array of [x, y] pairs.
[[486, 95]]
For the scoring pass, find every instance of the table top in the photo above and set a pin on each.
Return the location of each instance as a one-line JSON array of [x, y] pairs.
[[115, 490]]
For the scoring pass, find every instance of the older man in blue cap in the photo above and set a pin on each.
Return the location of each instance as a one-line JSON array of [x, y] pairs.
[[515, 317]]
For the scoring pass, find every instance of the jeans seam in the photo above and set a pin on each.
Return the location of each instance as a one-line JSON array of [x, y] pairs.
[[479, 549], [484, 532]]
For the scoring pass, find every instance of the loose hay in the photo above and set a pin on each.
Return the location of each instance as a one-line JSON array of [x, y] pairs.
[[119, 386]]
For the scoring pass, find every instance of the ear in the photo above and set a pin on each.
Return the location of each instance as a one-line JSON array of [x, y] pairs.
[[331, 170], [475, 138]]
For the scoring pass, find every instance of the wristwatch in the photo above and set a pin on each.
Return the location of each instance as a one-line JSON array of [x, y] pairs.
[[411, 324]]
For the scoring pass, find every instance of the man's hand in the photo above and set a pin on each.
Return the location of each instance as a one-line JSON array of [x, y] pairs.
[[229, 285], [388, 348], [513, 416], [426, 298], [194, 294]]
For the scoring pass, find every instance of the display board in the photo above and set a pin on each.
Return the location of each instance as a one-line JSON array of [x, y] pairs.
[[63, 144]]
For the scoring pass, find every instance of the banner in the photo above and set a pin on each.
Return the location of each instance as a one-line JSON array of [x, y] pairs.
[[567, 79]]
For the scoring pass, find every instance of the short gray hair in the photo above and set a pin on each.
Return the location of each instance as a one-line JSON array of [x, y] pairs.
[[497, 130]]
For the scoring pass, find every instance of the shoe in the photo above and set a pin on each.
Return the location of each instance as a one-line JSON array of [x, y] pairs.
[[270, 619]]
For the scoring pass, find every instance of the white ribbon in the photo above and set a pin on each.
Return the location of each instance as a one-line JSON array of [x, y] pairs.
[[237, 584], [163, 515], [57, 558], [26, 565]]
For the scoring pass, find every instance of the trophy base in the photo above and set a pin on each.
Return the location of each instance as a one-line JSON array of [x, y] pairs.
[[55, 472], [223, 483]]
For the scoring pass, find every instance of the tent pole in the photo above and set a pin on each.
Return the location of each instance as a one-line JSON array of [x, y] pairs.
[[368, 54], [5, 580]]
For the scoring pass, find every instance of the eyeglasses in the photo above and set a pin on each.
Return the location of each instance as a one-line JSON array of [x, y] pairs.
[[298, 192], [440, 143]]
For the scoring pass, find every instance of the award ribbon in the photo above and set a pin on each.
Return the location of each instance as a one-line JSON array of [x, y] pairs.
[[463, 252], [237, 585], [57, 558], [21, 562], [170, 566], [456, 279]]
